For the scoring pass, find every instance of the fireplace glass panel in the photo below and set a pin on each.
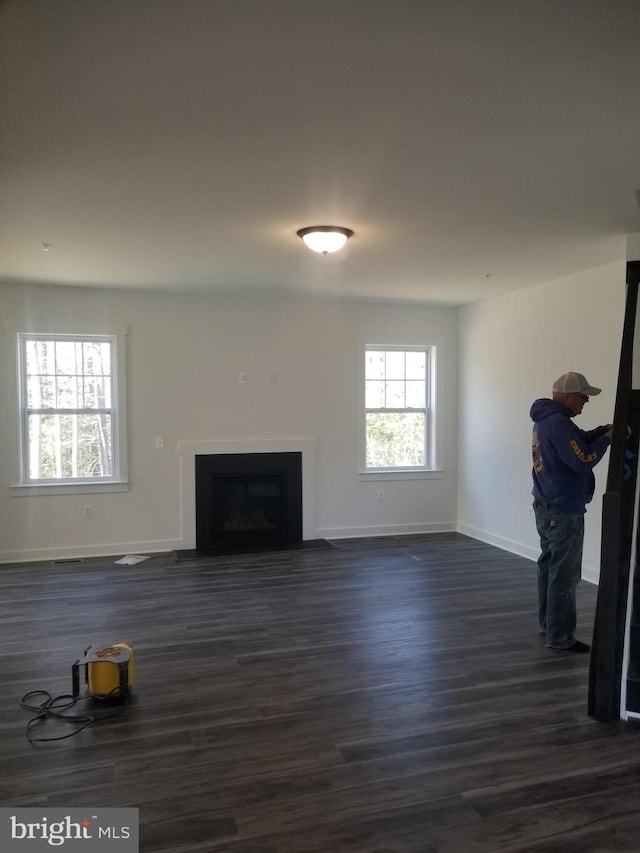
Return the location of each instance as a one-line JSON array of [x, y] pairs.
[[248, 508]]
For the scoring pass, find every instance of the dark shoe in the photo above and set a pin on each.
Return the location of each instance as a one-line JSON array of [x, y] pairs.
[[579, 647]]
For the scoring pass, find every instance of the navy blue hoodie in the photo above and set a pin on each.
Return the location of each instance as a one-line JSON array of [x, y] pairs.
[[564, 457]]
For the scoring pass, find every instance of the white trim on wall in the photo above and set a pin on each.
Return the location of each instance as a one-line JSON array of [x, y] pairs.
[[589, 572], [382, 530]]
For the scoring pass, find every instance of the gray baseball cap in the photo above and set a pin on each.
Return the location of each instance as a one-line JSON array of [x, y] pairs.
[[574, 383]]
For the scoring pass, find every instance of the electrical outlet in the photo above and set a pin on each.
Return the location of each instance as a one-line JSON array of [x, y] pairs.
[[87, 510], [380, 496], [159, 442], [242, 378]]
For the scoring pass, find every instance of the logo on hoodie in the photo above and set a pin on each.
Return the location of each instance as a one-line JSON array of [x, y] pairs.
[[582, 456], [535, 453]]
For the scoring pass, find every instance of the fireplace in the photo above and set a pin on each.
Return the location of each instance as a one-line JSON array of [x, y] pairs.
[[248, 501]]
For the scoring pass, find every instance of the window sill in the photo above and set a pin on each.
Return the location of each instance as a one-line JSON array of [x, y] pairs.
[[28, 489], [401, 474]]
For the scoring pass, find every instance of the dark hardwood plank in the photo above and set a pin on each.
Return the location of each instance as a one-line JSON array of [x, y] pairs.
[[383, 695]]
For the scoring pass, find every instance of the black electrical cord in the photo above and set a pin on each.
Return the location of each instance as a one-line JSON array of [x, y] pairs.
[[56, 706]]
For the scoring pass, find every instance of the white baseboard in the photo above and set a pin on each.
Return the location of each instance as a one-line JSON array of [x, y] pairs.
[[48, 555], [79, 552], [505, 544], [385, 530], [115, 549], [589, 573]]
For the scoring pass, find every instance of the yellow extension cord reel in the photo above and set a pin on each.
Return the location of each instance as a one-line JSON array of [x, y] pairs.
[[108, 672]]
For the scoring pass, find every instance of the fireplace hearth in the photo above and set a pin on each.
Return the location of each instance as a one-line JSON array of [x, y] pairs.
[[248, 501]]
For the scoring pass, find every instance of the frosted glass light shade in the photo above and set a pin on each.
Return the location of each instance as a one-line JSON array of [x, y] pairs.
[[325, 238]]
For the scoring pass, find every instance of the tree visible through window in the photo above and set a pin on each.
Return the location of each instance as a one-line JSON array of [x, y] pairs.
[[396, 407], [67, 392]]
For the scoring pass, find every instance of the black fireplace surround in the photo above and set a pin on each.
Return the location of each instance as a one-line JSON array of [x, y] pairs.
[[248, 501]]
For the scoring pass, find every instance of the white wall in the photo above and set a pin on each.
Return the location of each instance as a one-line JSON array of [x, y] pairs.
[[511, 350], [184, 355]]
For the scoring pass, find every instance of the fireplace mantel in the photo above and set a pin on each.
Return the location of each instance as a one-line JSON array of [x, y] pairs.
[[188, 450]]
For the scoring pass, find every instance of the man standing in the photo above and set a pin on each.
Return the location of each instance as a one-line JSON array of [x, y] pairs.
[[564, 457]]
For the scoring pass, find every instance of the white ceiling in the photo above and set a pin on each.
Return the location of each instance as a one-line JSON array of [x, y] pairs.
[[474, 146]]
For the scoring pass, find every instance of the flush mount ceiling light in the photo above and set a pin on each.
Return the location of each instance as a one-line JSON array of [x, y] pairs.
[[325, 238]]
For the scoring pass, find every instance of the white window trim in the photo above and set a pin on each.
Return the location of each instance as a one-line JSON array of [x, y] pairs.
[[20, 487], [431, 471]]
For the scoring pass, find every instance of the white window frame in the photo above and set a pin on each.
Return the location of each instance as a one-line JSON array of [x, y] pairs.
[[22, 484], [430, 468]]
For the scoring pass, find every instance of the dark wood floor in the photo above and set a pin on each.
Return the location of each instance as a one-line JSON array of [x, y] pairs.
[[384, 695]]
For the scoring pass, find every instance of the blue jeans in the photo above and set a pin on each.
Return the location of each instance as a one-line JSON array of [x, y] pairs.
[[559, 570]]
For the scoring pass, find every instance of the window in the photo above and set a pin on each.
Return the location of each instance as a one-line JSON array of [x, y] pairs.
[[397, 418], [72, 409]]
